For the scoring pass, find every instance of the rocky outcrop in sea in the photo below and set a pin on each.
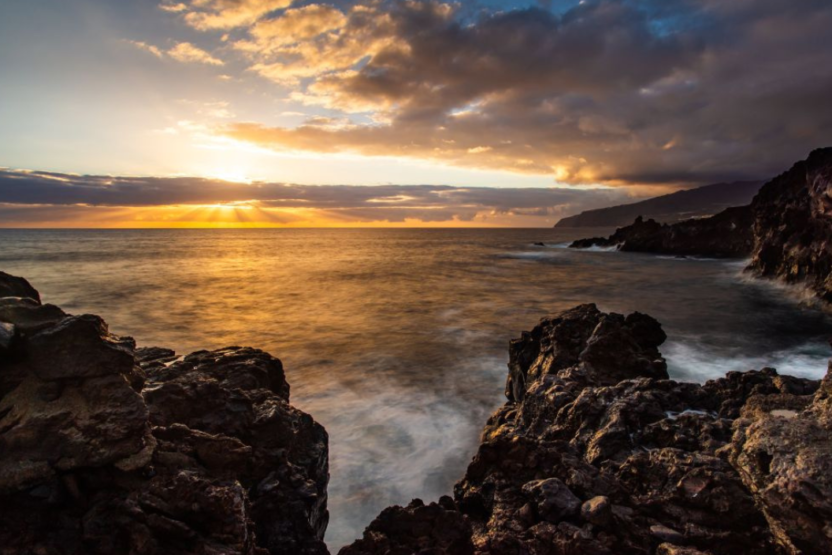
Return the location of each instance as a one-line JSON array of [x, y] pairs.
[[597, 452], [109, 449], [786, 230], [729, 234]]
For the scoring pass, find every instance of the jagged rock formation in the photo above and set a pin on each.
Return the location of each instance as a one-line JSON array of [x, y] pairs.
[[675, 207], [597, 452], [108, 449], [793, 225], [787, 229], [727, 235], [105, 448]]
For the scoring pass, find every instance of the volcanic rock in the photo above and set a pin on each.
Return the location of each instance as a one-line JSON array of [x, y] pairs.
[[726, 235], [597, 452], [13, 286], [103, 451], [793, 225], [781, 448], [435, 529]]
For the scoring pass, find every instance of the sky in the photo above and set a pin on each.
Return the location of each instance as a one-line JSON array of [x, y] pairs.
[[159, 113]]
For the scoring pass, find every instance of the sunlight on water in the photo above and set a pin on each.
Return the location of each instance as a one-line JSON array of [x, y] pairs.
[[396, 340]]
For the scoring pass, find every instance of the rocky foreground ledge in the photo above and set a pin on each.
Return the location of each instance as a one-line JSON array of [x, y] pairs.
[[109, 449], [597, 452]]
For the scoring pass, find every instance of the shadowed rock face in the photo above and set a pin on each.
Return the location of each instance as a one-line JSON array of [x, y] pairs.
[[793, 225], [728, 234], [597, 452], [108, 449], [786, 230]]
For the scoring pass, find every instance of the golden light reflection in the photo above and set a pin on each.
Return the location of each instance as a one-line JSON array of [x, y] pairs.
[[233, 215]]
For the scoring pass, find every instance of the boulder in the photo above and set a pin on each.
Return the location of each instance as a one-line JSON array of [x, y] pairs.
[[435, 529], [13, 286]]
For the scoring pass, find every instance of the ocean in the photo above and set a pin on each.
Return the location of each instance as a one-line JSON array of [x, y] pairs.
[[397, 340]]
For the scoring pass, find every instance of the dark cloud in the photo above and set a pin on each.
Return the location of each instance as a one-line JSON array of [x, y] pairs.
[[613, 91], [25, 194]]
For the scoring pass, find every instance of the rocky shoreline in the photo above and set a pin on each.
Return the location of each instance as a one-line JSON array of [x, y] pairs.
[[598, 452], [106, 448], [786, 230], [109, 449]]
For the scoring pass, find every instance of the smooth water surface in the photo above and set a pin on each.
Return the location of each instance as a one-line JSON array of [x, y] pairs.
[[396, 340]]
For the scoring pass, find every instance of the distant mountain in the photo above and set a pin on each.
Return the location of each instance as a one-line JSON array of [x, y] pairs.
[[693, 203]]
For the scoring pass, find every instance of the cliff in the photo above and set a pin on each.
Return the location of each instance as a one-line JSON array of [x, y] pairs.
[[786, 230], [793, 225], [672, 208], [105, 448], [597, 452]]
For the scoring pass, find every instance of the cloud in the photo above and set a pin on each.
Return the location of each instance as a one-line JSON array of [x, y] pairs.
[[188, 53], [620, 92], [173, 8], [147, 48], [227, 14], [28, 193], [184, 52]]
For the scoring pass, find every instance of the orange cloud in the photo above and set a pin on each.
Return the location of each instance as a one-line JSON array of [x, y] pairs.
[[188, 53], [207, 15]]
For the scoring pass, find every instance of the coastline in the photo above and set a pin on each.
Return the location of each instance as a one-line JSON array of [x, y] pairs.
[[574, 460]]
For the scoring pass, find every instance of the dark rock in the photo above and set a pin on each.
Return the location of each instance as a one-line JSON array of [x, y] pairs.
[[670, 549], [435, 529], [54, 352], [597, 510], [238, 397], [601, 348], [728, 234], [598, 452], [103, 451], [555, 501], [781, 448], [793, 225], [13, 286], [7, 336], [154, 357], [28, 315], [787, 229]]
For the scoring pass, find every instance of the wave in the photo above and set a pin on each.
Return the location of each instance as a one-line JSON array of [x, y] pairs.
[[692, 361]]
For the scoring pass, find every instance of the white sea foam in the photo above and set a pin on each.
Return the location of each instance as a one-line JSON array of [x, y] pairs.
[[390, 444], [697, 363]]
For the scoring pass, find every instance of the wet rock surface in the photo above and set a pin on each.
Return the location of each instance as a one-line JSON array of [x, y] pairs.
[[105, 448], [597, 452]]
